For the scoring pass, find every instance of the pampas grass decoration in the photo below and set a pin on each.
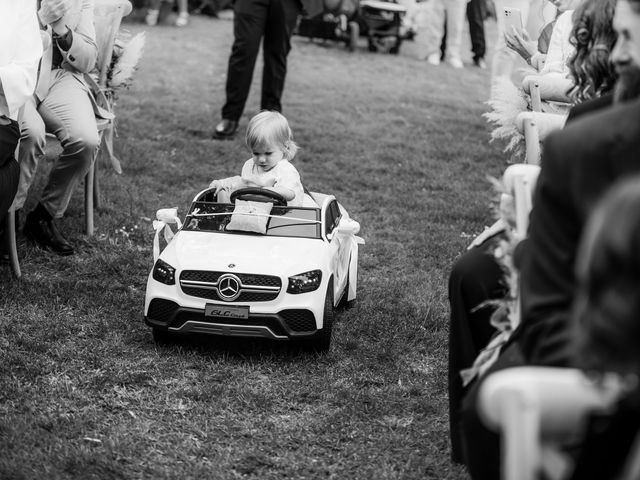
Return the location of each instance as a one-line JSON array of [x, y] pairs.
[[127, 62], [507, 101]]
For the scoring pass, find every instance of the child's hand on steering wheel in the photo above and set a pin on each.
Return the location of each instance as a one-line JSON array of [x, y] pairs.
[[218, 185]]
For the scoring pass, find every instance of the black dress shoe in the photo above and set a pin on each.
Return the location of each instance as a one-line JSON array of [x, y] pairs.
[[225, 129], [42, 229]]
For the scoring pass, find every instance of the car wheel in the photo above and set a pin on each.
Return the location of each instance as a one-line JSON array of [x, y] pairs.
[[162, 337], [321, 341]]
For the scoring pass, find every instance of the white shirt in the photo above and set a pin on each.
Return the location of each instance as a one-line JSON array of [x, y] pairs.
[[283, 174], [560, 48], [20, 52]]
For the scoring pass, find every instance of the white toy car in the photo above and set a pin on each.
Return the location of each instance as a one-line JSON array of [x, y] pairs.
[[281, 283]]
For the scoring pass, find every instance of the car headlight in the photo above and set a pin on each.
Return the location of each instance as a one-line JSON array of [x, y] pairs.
[[305, 282], [164, 273]]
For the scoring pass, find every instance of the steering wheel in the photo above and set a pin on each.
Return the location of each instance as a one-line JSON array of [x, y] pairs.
[[257, 194]]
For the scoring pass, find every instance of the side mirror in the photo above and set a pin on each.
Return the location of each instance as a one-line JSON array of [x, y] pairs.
[[347, 226]]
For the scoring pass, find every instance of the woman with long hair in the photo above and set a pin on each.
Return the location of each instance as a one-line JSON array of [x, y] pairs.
[[593, 37]]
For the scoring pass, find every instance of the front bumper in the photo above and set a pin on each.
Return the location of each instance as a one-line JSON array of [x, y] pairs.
[[286, 324]]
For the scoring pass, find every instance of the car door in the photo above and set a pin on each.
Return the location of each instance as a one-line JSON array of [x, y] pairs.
[[338, 246]]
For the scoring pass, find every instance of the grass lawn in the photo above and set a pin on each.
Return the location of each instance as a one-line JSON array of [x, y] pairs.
[[85, 393]]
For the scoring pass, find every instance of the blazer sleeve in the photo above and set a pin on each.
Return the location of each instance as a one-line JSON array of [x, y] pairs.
[[579, 164], [546, 279], [18, 77], [83, 54]]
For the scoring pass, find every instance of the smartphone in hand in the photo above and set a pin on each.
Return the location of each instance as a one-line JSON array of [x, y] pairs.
[[512, 17]]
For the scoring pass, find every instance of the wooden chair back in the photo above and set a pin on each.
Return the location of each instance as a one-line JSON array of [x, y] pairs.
[[107, 16]]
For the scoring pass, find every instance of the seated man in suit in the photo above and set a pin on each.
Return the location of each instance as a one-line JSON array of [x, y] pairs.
[[62, 105], [579, 164]]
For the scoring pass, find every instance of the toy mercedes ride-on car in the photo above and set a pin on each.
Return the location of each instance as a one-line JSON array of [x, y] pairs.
[[255, 267]]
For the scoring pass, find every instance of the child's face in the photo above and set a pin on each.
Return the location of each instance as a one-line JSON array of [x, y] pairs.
[[266, 156]]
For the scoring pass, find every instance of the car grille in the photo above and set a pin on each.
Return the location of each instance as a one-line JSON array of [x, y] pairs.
[[161, 310], [253, 288], [299, 320]]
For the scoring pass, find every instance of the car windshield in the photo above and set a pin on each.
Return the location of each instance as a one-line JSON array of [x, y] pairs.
[[282, 221]]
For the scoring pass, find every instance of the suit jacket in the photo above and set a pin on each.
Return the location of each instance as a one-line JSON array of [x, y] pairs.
[[81, 57], [579, 164], [590, 106]]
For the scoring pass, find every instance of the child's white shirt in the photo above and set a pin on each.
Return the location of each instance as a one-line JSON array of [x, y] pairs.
[[283, 174]]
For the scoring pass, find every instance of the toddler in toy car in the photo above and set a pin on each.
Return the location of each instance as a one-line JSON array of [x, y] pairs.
[[271, 142]]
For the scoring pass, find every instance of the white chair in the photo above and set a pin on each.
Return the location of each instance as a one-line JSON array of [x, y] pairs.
[[537, 410], [550, 104], [536, 126], [107, 15], [519, 181]]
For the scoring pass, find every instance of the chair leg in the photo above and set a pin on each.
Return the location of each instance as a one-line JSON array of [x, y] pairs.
[[88, 199], [10, 233], [96, 186], [532, 142]]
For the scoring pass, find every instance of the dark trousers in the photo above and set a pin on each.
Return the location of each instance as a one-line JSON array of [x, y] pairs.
[[474, 279], [270, 20], [9, 169], [476, 13]]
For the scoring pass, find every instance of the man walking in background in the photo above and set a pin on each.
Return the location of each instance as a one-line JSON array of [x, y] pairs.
[[273, 22], [476, 14]]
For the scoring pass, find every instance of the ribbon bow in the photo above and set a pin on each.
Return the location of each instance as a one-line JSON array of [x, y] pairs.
[[165, 217]]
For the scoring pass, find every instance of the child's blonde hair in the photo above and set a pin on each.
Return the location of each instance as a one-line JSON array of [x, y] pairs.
[[271, 127]]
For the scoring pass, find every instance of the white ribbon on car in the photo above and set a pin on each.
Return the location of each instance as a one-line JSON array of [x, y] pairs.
[[165, 217]]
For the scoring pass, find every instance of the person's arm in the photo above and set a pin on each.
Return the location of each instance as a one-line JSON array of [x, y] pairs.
[[78, 46], [18, 76], [519, 41], [287, 193], [287, 181], [229, 184], [546, 275]]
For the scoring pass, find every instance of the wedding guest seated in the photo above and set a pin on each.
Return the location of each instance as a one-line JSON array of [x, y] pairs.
[[534, 14], [535, 51], [476, 278], [18, 68], [552, 67], [587, 72], [579, 164], [607, 331], [62, 105]]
